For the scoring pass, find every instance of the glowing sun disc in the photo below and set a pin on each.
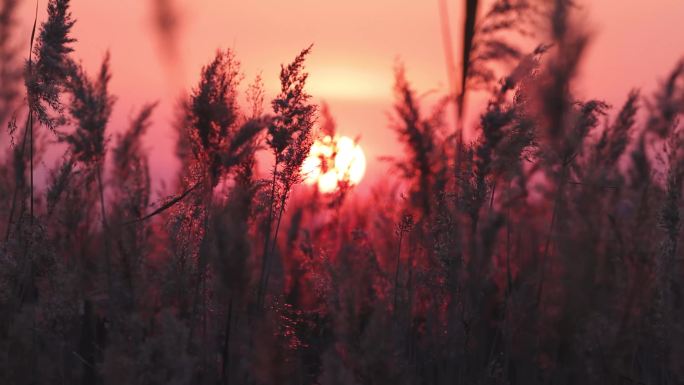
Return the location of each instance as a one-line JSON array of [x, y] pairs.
[[333, 161]]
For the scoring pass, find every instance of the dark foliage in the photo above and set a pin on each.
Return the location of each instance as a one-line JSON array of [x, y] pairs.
[[545, 251]]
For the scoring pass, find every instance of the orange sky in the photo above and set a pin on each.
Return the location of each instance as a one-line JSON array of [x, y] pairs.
[[356, 43]]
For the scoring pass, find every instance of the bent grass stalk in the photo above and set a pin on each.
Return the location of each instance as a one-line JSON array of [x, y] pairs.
[[29, 127]]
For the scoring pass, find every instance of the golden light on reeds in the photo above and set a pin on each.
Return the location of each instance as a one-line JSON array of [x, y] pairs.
[[333, 162]]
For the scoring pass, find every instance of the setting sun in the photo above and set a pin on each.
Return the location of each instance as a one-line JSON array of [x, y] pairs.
[[333, 161], [351, 192]]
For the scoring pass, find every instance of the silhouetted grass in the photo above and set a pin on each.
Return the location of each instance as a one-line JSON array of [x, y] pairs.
[[546, 250]]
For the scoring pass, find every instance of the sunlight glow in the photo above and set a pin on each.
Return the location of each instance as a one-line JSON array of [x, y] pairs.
[[350, 83], [333, 162]]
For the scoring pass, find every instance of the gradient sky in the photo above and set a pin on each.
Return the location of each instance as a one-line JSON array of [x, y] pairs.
[[635, 44]]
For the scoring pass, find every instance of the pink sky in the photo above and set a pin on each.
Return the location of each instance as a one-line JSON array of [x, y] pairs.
[[635, 44]]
